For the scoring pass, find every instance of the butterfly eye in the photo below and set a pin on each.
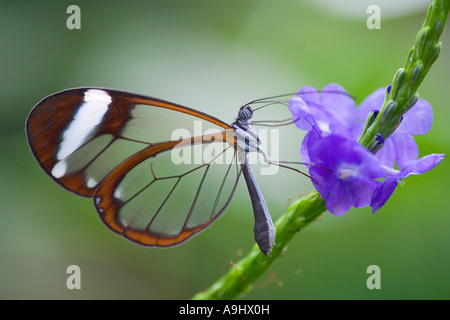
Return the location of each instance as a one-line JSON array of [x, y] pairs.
[[245, 113]]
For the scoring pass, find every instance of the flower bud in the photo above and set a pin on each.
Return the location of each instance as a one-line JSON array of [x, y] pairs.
[[416, 72], [388, 111], [438, 25], [388, 91], [421, 41], [433, 56], [370, 119], [376, 144], [410, 102], [397, 82]]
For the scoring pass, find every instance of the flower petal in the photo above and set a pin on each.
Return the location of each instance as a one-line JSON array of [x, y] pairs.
[[373, 102], [386, 156], [362, 190], [301, 114], [405, 147], [418, 119], [382, 193], [337, 200], [339, 103], [421, 165], [310, 138], [309, 94]]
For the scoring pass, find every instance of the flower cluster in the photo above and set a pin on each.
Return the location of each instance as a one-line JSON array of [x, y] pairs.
[[344, 172]]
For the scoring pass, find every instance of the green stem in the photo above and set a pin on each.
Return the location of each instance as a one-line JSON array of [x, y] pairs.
[[403, 93], [240, 277]]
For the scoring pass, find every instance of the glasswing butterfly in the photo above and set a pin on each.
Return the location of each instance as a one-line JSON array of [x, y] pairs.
[[118, 148]]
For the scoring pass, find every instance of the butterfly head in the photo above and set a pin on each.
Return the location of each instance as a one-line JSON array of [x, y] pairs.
[[245, 113]]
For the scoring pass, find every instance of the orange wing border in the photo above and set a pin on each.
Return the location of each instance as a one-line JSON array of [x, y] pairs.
[[108, 207]]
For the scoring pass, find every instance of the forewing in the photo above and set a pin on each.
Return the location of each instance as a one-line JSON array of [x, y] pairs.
[[78, 136]]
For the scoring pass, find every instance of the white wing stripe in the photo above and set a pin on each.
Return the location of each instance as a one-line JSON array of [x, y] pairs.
[[89, 114]]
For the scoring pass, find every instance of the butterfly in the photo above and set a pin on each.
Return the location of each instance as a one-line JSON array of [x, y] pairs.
[[150, 181]]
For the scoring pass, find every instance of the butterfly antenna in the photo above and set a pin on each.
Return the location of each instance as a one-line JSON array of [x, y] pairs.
[[262, 100]]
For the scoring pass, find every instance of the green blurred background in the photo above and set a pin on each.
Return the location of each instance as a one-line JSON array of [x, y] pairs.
[[215, 56]]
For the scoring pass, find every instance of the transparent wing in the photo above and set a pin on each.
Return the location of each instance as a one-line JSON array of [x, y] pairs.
[[80, 135], [161, 196]]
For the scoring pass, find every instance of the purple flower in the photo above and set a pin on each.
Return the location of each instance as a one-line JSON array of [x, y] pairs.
[[385, 189], [332, 111], [344, 172]]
